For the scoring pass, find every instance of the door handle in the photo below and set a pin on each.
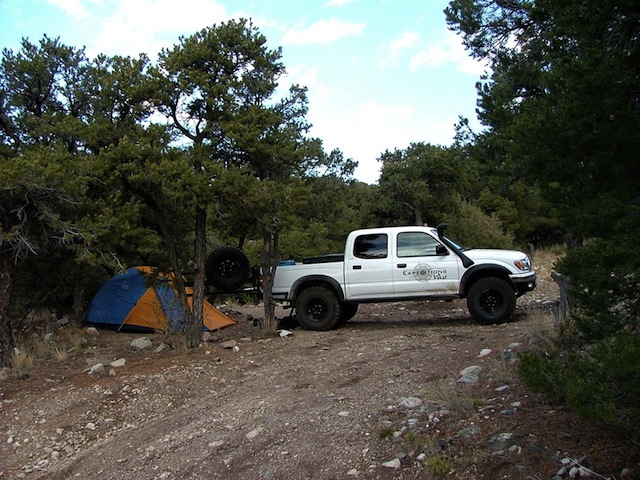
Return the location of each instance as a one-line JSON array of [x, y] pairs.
[[357, 267], [402, 265]]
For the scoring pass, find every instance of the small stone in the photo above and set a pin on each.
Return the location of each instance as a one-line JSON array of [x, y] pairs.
[[284, 333], [162, 347], [118, 363], [97, 368], [353, 472], [502, 388], [141, 343], [395, 463], [468, 432], [410, 402], [254, 433], [92, 332], [229, 344], [484, 352], [472, 369], [468, 378], [343, 414], [90, 426]]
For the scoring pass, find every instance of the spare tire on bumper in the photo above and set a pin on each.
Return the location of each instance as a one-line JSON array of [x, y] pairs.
[[227, 269]]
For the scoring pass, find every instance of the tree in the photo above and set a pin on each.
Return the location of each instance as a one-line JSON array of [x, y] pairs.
[[419, 184], [563, 105], [216, 89], [273, 180], [39, 182], [562, 100]]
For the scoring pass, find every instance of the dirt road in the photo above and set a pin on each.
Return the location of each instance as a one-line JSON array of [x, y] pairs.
[[382, 397]]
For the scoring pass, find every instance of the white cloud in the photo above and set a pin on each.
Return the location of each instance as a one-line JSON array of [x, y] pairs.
[[447, 50], [363, 132], [75, 8], [324, 32], [406, 41], [338, 3], [148, 25]]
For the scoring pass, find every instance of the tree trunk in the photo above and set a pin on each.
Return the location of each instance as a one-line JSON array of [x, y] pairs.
[[194, 322], [268, 264], [563, 309], [7, 342], [77, 311]]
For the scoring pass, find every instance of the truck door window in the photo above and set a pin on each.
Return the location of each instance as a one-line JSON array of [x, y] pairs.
[[370, 246], [418, 244]]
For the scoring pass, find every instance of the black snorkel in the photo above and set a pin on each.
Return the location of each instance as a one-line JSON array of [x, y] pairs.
[[466, 261]]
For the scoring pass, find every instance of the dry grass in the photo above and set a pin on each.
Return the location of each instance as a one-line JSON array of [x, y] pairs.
[[454, 397], [22, 359], [540, 330], [502, 371], [544, 259], [58, 345]]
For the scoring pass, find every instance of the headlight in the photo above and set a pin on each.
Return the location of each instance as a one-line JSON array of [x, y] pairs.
[[524, 264]]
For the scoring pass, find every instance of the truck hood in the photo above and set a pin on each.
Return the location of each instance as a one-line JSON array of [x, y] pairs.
[[506, 257]]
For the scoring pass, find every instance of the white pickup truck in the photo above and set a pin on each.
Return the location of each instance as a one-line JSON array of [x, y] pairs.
[[402, 263]]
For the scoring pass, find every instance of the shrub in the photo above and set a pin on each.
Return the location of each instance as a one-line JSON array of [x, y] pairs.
[[471, 227], [439, 466], [592, 360]]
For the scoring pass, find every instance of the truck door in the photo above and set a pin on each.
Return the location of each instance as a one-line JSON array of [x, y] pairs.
[[368, 272], [423, 266]]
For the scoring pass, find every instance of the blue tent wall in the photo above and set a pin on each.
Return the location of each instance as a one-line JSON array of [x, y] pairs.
[[170, 306], [116, 298]]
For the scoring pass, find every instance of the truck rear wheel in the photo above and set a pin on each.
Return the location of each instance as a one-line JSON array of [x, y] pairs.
[[491, 300], [317, 308]]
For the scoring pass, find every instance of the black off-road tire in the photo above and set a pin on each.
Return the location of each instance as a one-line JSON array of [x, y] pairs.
[[318, 308], [227, 269], [491, 300], [347, 312]]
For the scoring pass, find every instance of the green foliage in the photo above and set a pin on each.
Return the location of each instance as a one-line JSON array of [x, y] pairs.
[[468, 225], [604, 286], [439, 466], [563, 128], [594, 362], [419, 184], [601, 382], [386, 433], [561, 104], [542, 373]]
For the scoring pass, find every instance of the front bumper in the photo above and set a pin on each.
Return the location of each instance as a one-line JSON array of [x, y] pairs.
[[524, 283]]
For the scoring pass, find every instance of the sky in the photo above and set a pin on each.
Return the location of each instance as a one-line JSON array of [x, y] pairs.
[[381, 74]]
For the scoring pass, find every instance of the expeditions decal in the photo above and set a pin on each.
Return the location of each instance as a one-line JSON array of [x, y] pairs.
[[423, 273]]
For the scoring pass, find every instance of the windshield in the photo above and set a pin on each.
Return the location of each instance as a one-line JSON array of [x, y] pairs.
[[463, 249], [454, 244]]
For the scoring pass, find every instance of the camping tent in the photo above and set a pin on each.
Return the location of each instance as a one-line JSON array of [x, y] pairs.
[[128, 301]]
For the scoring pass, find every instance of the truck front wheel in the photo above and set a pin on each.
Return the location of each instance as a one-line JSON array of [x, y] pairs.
[[491, 300], [318, 308]]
